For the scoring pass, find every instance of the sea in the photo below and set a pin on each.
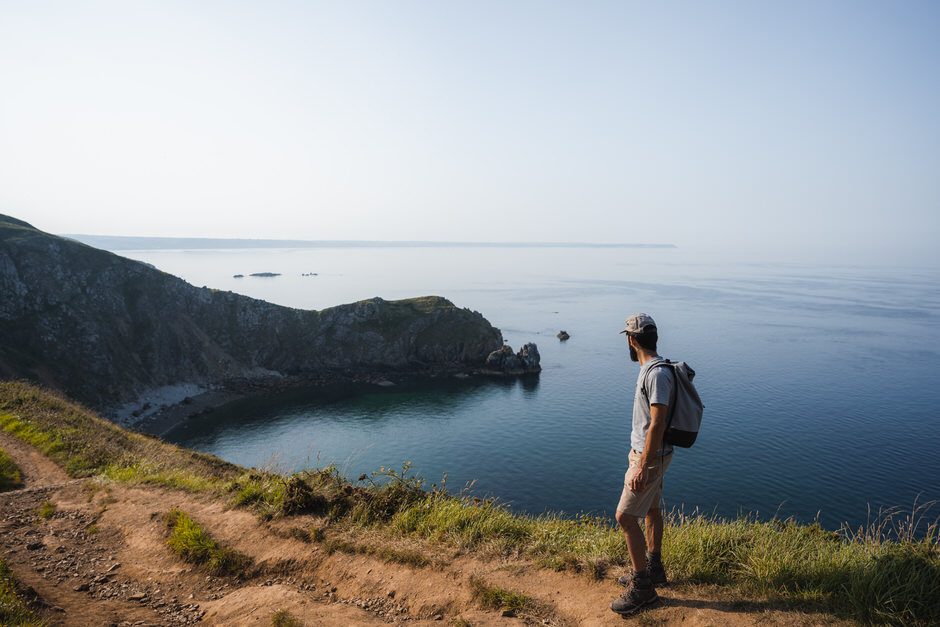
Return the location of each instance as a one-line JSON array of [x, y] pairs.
[[821, 383]]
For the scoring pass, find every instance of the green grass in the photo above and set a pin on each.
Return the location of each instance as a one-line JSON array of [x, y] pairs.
[[193, 544], [85, 444], [10, 476], [865, 576], [13, 608], [46, 510]]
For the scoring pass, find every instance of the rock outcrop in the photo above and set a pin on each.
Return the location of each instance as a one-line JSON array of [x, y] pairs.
[[106, 330], [504, 361]]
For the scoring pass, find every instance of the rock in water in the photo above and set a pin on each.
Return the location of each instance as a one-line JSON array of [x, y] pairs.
[[530, 358], [563, 336], [504, 361]]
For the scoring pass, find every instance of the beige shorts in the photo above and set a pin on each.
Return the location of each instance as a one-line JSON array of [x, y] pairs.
[[639, 503]]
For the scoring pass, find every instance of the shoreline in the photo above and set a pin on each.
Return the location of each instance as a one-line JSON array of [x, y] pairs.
[[170, 416]]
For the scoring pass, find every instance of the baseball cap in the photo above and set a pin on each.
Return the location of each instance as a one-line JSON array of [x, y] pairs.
[[638, 323]]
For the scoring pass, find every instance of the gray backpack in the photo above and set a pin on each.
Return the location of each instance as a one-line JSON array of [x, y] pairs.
[[685, 407]]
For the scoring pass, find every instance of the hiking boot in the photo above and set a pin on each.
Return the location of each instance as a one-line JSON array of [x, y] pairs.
[[656, 572], [640, 593]]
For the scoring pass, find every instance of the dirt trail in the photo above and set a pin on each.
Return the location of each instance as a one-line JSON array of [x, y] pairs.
[[38, 470], [101, 559]]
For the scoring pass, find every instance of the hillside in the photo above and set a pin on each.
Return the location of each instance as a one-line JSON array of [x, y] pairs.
[[107, 330], [114, 527]]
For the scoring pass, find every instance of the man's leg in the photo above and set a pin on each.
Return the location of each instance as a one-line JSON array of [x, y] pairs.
[[654, 543], [654, 531], [640, 592], [636, 543]]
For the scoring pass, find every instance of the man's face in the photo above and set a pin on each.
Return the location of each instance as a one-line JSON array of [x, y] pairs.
[[633, 355]]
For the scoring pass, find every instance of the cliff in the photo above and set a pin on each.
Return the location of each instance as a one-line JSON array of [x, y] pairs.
[[105, 329]]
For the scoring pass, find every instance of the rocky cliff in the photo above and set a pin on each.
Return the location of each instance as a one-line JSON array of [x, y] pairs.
[[105, 329]]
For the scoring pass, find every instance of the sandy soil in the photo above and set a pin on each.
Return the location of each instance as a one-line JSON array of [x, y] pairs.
[[101, 559]]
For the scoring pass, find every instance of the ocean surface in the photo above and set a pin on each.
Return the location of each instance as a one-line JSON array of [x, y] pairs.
[[821, 383]]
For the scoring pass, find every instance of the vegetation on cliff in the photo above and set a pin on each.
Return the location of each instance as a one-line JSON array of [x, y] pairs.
[[883, 574], [105, 329]]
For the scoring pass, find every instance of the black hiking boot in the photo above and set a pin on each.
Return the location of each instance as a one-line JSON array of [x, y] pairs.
[[656, 570], [640, 593]]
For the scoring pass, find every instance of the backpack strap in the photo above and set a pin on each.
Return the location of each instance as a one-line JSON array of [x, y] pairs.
[[672, 396], [658, 364]]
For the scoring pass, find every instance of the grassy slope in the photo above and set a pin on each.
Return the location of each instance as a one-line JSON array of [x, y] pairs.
[[861, 575], [13, 608], [10, 476]]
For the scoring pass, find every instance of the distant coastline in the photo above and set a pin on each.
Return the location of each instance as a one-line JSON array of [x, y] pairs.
[[121, 242]]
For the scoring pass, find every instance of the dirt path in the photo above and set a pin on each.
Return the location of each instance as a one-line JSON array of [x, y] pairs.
[[38, 470], [101, 559]]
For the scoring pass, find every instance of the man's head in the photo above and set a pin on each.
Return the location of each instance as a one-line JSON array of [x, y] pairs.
[[641, 333]]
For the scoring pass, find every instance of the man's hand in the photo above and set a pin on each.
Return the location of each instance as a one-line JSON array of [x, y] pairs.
[[639, 478]]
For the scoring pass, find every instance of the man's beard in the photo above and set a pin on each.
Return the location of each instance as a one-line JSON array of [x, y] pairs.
[[633, 355]]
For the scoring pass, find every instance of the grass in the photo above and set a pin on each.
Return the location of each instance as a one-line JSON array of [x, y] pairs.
[[193, 544], [405, 557], [496, 598], [283, 618], [10, 476], [85, 444], [46, 510], [13, 608], [883, 573]]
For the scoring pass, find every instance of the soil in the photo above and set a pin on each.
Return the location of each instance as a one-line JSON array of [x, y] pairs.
[[101, 559]]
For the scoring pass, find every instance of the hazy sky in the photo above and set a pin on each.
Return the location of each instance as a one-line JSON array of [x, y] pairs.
[[775, 127]]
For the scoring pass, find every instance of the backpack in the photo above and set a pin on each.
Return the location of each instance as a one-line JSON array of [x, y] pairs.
[[686, 407]]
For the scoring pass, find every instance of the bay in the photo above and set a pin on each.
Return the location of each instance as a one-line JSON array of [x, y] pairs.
[[820, 381]]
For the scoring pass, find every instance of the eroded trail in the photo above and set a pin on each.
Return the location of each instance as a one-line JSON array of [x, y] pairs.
[[38, 470], [97, 556]]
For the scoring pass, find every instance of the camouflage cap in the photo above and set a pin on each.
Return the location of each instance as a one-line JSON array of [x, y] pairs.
[[638, 323]]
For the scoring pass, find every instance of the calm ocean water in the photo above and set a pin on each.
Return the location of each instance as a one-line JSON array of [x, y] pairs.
[[820, 383]]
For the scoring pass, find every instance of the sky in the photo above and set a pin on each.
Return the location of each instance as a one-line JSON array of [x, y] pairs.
[[805, 129]]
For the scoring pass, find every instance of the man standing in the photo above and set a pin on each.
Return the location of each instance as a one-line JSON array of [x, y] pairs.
[[648, 460]]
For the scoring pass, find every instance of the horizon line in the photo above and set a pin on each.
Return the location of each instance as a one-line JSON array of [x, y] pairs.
[[134, 242]]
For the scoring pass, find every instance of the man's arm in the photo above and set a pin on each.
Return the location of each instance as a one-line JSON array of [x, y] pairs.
[[654, 442]]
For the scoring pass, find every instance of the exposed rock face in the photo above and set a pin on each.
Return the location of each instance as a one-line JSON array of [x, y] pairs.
[[503, 360], [105, 329]]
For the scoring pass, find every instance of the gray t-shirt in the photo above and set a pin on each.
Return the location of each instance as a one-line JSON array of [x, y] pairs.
[[659, 390]]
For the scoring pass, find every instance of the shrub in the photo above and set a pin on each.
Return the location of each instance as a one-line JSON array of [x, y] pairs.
[[10, 476], [194, 545], [46, 510], [283, 618]]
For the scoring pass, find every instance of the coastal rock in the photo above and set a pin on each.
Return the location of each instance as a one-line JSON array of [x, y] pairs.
[[110, 331], [265, 274], [503, 360], [563, 336]]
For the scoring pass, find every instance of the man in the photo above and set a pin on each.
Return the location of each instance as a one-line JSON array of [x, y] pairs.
[[648, 461]]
